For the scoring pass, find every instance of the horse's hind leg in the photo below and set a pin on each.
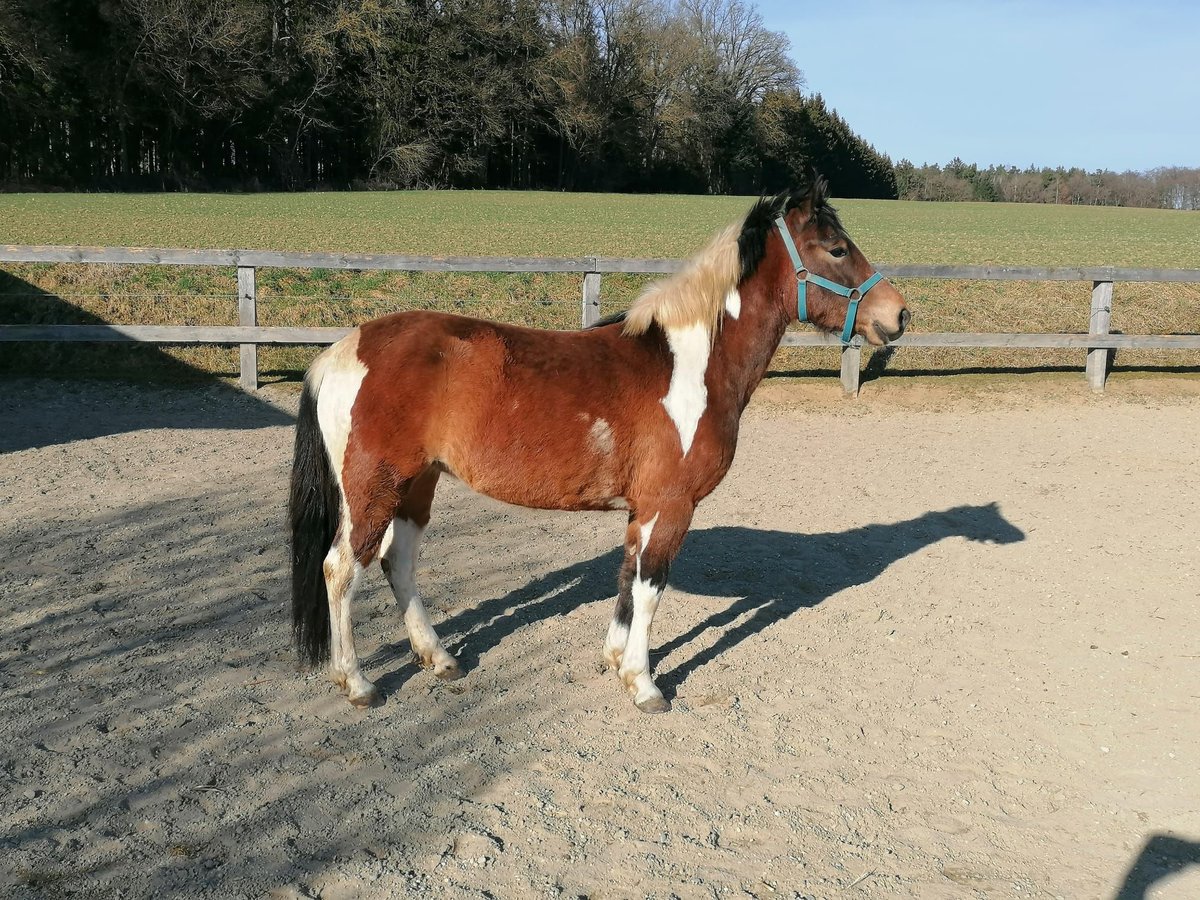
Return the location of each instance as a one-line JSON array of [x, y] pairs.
[[342, 576], [399, 564], [364, 531]]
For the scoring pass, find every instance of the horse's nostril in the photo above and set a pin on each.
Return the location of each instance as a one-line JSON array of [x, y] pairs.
[[905, 316]]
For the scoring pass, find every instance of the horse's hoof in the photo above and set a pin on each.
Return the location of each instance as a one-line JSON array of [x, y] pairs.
[[449, 673], [369, 699], [653, 705]]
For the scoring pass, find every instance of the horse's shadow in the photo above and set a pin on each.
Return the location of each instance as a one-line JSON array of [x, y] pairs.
[[1162, 856], [769, 575]]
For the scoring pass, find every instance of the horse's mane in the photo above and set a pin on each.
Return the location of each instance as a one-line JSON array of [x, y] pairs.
[[696, 295]]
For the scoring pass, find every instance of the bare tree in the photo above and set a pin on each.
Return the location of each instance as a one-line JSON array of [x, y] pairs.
[[745, 56], [208, 53]]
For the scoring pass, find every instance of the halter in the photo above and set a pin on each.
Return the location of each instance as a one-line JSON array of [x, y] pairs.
[[803, 277]]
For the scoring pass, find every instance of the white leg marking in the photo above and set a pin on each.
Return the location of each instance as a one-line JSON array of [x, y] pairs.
[[733, 303], [687, 397], [342, 575], [336, 578], [633, 657], [388, 536], [358, 689], [614, 643], [618, 634], [635, 661], [647, 529], [401, 557]]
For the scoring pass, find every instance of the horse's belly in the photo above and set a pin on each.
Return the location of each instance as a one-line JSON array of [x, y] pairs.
[[548, 496], [545, 476]]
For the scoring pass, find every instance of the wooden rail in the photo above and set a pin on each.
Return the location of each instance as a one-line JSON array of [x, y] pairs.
[[248, 334]]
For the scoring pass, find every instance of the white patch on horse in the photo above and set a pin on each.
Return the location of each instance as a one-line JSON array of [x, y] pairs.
[[386, 544], [687, 397], [601, 437], [635, 659], [338, 374], [733, 303], [646, 529], [614, 643]]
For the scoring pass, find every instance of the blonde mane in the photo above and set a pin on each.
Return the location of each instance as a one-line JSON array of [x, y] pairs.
[[694, 296]]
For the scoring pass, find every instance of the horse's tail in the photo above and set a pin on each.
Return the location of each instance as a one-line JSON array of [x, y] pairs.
[[314, 513]]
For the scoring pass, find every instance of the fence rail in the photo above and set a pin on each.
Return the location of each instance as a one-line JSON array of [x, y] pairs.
[[248, 334]]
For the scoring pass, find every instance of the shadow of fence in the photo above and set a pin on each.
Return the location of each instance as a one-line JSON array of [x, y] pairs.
[[39, 412]]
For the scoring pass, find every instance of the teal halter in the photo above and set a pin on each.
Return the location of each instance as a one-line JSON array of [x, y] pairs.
[[803, 277]]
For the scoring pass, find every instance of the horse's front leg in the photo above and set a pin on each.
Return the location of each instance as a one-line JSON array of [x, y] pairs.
[[652, 539]]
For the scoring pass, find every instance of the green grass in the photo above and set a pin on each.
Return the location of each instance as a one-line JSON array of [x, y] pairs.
[[496, 223], [500, 223]]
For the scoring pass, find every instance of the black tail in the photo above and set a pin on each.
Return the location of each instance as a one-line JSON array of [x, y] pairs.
[[314, 511]]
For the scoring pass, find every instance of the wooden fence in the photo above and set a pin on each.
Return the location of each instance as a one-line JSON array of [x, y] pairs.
[[248, 334]]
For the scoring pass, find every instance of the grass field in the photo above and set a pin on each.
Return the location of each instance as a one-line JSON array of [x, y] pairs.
[[503, 223], [547, 224]]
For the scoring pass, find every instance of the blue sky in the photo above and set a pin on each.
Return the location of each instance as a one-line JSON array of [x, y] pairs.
[[1095, 84]]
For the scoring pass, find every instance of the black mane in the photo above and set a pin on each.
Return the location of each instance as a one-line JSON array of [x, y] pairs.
[[610, 319], [760, 221]]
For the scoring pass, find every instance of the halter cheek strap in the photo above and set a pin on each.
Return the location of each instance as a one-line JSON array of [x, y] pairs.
[[803, 277]]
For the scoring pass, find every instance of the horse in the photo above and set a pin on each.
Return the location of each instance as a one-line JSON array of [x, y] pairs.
[[639, 412]]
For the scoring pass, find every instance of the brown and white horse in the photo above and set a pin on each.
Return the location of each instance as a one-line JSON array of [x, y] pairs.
[[639, 412]]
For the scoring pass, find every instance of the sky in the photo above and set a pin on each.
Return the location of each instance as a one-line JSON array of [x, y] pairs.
[[1101, 85]]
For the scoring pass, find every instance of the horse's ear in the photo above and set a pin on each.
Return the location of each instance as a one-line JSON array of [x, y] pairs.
[[813, 196], [818, 191]]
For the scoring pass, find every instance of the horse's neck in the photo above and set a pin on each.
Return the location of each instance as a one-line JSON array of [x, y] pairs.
[[744, 347]]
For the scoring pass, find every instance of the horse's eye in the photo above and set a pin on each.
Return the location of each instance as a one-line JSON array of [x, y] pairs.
[[837, 252]]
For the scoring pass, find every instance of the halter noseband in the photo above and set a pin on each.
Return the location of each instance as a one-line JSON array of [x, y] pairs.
[[803, 277]]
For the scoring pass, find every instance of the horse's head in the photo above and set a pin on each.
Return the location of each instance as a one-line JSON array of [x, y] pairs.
[[836, 287], [984, 524]]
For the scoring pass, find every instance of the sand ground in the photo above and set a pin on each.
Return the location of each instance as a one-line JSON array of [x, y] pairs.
[[938, 642]]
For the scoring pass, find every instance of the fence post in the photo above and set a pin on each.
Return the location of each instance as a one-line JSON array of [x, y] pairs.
[[1097, 357], [851, 367], [591, 298], [248, 315]]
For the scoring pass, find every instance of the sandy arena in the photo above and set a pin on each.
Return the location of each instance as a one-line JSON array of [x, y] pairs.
[[936, 642]]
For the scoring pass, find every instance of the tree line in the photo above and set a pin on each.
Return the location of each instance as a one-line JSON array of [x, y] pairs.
[[1167, 187], [694, 96], [609, 95]]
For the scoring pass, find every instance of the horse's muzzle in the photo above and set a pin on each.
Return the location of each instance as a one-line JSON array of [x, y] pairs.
[[885, 335]]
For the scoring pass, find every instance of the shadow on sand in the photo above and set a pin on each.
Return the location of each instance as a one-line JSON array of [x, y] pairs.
[[38, 410], [1161, 856], [768, 574], [161, 743]]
